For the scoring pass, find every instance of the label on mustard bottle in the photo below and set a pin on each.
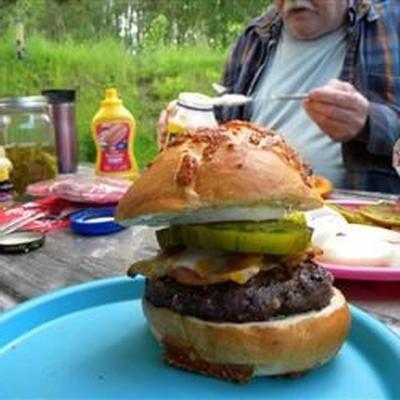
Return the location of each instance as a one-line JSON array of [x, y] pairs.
[[113, 139]]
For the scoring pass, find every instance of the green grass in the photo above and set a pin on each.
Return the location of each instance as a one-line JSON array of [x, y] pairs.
[[146, 81]]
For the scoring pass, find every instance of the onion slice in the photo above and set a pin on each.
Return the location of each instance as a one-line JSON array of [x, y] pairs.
[[210, 214]]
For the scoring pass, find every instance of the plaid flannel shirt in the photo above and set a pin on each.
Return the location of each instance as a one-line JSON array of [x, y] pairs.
[[372, 65]]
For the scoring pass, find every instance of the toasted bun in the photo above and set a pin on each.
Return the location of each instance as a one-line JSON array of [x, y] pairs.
[[234, 164], [323, 186], [239, 351]]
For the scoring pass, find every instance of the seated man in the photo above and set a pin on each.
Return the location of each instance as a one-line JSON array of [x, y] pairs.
[[346, 55]]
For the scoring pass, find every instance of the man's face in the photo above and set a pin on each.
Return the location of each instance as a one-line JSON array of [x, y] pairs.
[[309, 19]]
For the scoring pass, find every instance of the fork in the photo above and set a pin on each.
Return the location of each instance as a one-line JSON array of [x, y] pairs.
[[19, 222]]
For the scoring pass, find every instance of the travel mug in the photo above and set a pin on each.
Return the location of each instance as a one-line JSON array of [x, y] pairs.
[[62, 113]]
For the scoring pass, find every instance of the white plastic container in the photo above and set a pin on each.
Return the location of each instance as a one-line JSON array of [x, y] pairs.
[[191, 111]]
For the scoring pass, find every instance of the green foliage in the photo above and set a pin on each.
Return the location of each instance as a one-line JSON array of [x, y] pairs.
[[146, 81], [150, 50], [187, 20], [156, 35]]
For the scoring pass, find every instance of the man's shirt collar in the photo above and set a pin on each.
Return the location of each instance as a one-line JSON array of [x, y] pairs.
[[269, 24], [359, 8]]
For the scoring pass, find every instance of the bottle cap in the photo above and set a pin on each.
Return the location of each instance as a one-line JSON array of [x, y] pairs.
[[195, 101], [95, 221], [111, 98], [21, 242]]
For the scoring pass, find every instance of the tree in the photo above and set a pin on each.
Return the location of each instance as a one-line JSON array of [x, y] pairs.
[[189, 21]]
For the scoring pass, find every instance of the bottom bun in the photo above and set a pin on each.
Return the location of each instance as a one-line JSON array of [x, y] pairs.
[[234, 351]]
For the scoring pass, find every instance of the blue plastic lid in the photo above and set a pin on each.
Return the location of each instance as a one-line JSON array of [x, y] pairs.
[[95, 221]]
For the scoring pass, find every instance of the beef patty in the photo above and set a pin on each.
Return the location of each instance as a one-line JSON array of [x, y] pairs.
[[278, 292]]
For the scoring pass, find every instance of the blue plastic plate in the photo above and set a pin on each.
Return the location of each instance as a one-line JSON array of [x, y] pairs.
[[92, 341]]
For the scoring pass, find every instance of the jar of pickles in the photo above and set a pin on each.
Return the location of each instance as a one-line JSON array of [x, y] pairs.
[[28, 138]]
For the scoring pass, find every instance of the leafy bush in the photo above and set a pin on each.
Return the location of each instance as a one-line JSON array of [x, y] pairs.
[[156, 35]]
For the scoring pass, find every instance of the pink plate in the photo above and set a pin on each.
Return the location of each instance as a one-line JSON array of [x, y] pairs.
[[363, 273]]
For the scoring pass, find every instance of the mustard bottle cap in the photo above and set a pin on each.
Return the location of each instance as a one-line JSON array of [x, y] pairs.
[[111, 98]]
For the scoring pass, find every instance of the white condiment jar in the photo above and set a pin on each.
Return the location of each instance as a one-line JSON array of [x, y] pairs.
[[195, 110], [191, 111]]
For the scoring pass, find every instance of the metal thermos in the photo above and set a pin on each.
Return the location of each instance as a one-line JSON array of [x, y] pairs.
[[62, 112]]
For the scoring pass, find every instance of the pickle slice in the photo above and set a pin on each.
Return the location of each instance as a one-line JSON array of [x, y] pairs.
[[382, 214], [169, 238], [352, 216], [272, 237]]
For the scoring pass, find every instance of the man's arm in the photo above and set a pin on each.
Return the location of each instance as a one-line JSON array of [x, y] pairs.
[[382, 121], [383, 128], [345, 114]]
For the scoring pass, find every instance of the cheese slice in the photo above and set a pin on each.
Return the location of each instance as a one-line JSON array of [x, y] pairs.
[[203, 267]]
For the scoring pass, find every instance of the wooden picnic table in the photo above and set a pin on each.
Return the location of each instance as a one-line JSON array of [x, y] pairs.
[[67, 259]]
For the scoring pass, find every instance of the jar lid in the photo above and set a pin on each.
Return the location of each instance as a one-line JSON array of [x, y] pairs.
[[196, 101], [23, 103], [111, 98], [21, 242]]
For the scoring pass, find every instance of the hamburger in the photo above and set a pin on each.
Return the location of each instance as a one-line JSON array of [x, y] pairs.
[[234, 291]]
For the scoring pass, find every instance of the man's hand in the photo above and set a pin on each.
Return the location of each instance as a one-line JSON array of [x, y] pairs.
[[338, 109]]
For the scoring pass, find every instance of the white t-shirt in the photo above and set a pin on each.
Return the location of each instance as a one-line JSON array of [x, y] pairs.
[[297, 67]]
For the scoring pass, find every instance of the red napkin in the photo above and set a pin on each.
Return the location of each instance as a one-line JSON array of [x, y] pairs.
[[52, 205]]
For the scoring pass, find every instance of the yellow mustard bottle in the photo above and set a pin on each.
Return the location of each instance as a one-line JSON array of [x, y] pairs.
[[113, 130]]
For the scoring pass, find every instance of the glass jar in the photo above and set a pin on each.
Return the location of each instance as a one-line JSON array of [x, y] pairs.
[[28, 138]]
